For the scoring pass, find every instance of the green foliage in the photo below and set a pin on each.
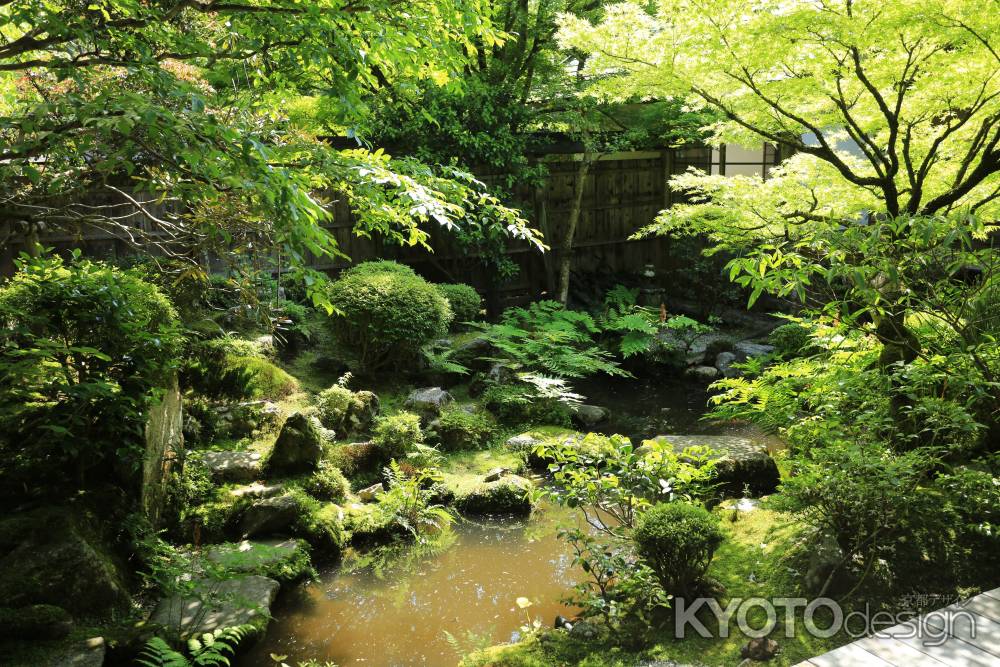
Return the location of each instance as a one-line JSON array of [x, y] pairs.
[[458, 428], [677, 541], [334, 405], [548, 339], [210, 649], [870, 500], [618, 586], [464, 300], [83, 347], [395, 435], [380, 266], [525, 403], [791, 340], [407, 504], [327, 483], [385, 317], [236, 369], [156, 107], [613, 483], [637, 326]]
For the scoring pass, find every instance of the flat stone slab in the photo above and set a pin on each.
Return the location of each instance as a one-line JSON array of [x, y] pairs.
[[732, 445], [257, 490], [250, 557], [233, 466], [215, 604]]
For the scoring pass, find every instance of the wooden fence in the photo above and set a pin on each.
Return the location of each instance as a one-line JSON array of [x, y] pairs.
[[623, 192]]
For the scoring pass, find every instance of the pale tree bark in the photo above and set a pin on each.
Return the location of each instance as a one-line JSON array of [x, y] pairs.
[[566, 247]]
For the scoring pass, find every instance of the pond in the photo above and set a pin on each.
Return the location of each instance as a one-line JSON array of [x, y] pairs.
[[401, 612], [385, 611]]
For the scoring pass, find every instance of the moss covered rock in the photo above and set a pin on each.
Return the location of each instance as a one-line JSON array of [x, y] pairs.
[[507, 495], [38, 621], [299, 446], [54, 556], [282, 560]]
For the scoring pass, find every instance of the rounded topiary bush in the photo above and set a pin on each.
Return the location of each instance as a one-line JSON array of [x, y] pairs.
[[457, 428], [464, 300], [677, 541], [381, 266], [83, 349], [386, 316]]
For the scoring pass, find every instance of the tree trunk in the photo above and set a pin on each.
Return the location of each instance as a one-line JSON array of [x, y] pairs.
[[566, 247]]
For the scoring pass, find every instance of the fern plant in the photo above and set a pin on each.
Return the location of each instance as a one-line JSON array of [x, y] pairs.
[[623, 316], [407, 503], [210, 649], [548, 339]]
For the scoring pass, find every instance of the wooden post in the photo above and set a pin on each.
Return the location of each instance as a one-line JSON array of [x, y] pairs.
[[666, 171]]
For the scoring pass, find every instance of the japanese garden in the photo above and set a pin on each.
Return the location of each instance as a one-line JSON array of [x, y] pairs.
[[484, 333]]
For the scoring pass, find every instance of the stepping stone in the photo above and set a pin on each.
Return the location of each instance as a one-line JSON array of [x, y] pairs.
[[233, 466], [257, 490], [281, 559], [215, 604]]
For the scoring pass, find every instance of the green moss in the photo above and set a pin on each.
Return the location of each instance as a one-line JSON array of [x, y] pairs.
[[507, 495], [284, 561], [267, 380], [457, 428], [40, 621], [758, 559], [327, 483]]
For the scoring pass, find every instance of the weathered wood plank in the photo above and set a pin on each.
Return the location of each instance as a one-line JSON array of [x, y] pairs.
[[850, 655]]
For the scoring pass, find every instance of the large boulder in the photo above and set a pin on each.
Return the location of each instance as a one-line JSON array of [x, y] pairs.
[[507, 495], [428, 402], [213, 603], [270, 516], [473, 353], [233, 466], [299, 446], [53, 555], [743, 465], [588, 416], [703, 373]]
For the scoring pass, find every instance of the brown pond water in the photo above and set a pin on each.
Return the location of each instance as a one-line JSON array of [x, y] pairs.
[[400, 611], [384, 611]]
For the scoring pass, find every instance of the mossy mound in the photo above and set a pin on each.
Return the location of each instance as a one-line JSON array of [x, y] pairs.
[[507, 495]]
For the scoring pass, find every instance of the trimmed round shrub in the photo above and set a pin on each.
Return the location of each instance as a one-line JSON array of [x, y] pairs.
[[385, 317], [397, 434], [464, 300], [677, 541], [327, 483], [790, 340], [83, 346], [381, 266]]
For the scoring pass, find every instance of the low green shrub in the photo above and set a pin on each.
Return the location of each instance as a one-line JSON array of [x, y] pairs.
[[457, 428], [327, 483], [677, 541], [464, 300], [333, 405], [386, 317], [83, 347], [395, 435]]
